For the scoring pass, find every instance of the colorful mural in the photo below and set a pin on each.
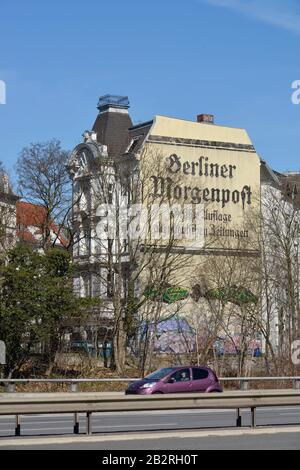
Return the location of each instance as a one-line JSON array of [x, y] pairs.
[[172, 336]]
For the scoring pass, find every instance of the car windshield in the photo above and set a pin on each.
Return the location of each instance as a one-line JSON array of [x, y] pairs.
[[159, 374]]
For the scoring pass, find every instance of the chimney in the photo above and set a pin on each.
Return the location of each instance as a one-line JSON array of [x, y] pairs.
[[206, 118]]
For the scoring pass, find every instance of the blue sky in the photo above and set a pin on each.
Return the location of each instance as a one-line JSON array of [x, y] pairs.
[[235, 59]]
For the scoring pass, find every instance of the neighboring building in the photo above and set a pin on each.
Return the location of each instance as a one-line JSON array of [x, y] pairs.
[[24, 222], [280, 205], [30, 222], [290, 183], [8, 200]]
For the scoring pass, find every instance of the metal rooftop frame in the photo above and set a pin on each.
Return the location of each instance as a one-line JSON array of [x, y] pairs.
[[113, 100]]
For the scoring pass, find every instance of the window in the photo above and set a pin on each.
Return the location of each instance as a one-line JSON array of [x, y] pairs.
[[97, 247], [199, 374], [181, 375], [85, 241], [110, 284], [87, 286], [76, 245], [133, 143], [76, 286], [87, 238], [110, 246], [96, 286], [110, 194], [159, 374]]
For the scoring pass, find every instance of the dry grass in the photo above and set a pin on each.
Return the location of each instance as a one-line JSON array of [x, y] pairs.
[[91, 368]]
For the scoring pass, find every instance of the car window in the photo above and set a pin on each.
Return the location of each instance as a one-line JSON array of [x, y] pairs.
[[159, 374], [199, 374], [181, 375]]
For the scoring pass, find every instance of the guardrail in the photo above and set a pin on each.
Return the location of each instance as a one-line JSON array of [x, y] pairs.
[[245, 381], [89, 403], [10, 384]]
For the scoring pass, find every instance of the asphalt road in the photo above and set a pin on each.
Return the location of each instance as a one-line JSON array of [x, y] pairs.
[[241, 439], [112, 423]]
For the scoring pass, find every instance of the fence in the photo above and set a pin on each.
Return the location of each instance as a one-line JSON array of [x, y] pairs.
[[10, 384]]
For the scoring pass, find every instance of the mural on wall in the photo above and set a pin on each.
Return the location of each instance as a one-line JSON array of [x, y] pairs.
[[173, 335], [232, 346], [177, 335]]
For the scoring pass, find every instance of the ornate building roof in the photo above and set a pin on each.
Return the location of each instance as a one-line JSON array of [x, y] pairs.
[[112, 124]]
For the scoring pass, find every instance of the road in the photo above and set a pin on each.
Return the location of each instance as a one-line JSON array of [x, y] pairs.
[[279, 438], [110, 426]]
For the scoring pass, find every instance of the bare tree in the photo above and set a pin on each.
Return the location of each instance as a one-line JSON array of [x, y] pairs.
[[280, 232], [43, 179], [227, 303]]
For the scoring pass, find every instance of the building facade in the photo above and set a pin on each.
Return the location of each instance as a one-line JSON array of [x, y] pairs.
[[213, 171], [8, 201]]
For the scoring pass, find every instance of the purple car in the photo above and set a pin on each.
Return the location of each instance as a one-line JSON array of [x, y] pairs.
[[176, 380]]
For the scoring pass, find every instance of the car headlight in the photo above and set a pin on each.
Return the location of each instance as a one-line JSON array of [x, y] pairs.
[[148, 385]]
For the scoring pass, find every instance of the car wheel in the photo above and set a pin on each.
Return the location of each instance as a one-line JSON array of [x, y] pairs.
[[157, 393]]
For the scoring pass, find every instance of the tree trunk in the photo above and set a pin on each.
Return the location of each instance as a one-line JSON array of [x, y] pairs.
[[119, 342], [53, 348]]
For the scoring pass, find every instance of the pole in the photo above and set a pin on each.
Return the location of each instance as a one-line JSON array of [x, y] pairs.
[[89, 422], [18, 426], [76, 423]]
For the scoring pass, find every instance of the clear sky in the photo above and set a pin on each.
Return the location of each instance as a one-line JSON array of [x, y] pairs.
[[235, 59]]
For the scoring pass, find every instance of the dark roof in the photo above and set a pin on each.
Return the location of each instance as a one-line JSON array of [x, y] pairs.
[[141, 124], [290, 186], [112, 130], [269, 176], [138, 133]]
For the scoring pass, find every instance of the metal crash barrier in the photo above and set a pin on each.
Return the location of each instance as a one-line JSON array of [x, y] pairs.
[[244, 382], [89, 403]]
